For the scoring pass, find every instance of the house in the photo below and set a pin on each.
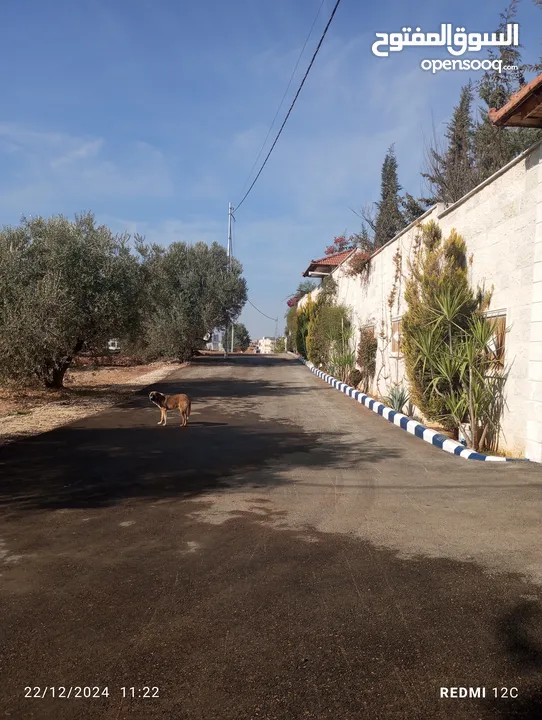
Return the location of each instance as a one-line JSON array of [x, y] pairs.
[[216, 341], [501, 223], [266, 345], [524, 109], [324, 266]]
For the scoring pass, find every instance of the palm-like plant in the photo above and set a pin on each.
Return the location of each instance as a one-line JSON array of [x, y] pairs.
[[397, 398], [465, 373]]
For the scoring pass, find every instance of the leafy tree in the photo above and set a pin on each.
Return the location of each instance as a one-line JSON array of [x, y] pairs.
[[305, 287], [291, 329], [280, 345], [190, 290], [241, 338], [65, 286], [341, 243], [452, 173]]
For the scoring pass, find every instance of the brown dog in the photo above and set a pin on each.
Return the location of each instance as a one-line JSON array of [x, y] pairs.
[[171, 402]]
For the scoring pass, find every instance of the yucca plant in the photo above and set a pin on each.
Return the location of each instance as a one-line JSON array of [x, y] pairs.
[[440, 303], [469, 380], [342, 364], [342, 359], [397, 398]]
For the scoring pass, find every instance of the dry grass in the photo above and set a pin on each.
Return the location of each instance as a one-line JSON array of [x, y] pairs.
[[89, 389]]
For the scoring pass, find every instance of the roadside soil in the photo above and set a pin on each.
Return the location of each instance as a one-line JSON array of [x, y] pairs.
[[90, 387]]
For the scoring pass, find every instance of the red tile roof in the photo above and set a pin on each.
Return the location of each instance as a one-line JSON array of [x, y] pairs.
[[524, 109], [335, 259], [330, 261]]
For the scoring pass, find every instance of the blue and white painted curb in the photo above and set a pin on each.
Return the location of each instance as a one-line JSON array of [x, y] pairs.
[[404, 422]]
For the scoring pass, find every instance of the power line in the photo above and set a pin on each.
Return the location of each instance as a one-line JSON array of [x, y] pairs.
[[284, 96], [261, 313], [292, 105]]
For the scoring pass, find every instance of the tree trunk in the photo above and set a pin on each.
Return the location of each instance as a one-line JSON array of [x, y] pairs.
[[56, 377]]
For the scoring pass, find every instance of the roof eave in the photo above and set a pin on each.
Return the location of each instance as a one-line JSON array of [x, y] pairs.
[[517, 110]]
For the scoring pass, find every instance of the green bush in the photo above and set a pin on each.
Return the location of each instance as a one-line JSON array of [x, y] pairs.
[[397, 398], [455, 375], [438, 273], [366, 357], [354, 378]]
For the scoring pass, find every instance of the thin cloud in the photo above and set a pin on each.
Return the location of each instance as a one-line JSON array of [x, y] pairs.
[[85, 150], [59, 168]]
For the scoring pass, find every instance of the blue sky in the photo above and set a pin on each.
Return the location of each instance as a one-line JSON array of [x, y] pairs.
[[151, 114]]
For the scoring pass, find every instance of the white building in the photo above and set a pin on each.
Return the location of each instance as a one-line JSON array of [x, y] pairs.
[[501, 223], [216, 341], [266, 345]]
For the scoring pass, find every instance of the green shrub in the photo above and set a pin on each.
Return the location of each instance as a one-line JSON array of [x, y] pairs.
[[438, 286], [366, 357], [354, 378], [455, 375], [397, 398]]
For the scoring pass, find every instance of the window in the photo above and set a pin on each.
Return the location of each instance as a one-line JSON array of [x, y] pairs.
[[498, 341], [396, 337]]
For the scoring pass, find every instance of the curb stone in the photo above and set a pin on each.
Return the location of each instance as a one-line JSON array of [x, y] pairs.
[[405, 423]]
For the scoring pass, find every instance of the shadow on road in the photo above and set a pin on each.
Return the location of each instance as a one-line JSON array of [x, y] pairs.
[[99, 462], [247, 360], [197, 388], [520, 633]]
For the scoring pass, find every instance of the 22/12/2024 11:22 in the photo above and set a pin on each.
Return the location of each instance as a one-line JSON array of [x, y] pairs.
[[68, 692]]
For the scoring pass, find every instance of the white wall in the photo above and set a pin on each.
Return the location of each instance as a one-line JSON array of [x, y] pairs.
[[501, 223], [305, 298]]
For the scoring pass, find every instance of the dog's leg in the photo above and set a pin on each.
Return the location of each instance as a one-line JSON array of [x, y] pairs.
[[165, 417]]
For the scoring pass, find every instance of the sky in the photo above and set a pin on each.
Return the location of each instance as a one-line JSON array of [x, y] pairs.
[[151, 114]]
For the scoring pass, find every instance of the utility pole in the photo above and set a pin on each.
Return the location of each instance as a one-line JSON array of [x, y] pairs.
[[230, 213]]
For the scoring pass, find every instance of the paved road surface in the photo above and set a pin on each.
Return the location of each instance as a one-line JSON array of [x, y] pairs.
[[289, 555]]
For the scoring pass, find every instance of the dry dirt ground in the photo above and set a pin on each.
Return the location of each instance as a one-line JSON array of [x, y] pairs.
[[89, 389]]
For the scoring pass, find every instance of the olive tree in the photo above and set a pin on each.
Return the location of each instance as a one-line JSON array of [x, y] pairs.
[[64, 286], [190, 290]]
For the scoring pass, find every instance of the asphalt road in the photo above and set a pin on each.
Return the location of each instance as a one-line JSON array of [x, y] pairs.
[[288, 555]]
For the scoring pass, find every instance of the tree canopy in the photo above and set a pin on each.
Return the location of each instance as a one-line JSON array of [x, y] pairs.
[[70, 285]]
